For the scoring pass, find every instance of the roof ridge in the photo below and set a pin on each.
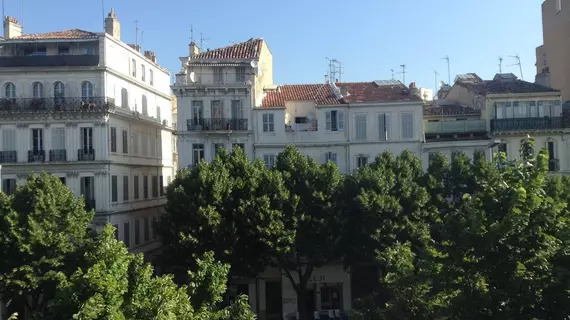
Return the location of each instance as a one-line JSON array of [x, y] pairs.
[[235, 44]]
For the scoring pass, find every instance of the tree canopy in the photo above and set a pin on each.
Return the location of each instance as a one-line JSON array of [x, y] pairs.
[[55, 268]]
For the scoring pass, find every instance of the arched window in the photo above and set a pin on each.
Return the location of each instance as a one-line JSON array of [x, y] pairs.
[[87, 91], [58, 93], [38, 89], [10, 91]]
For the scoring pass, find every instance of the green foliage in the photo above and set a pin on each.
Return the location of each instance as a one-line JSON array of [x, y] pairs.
[[43, 227]]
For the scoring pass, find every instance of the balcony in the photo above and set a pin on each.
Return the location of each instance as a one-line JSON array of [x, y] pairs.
[[86, 60], [217, 124], [58, 155], [312, 125], [56, 105], [36, 155], [525, 124], [8, 156], [461, 126], [86, 154]]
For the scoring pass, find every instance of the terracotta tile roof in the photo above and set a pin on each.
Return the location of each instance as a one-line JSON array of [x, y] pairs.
[[362, 92], [505, 86], [64, 34], [322, 94], [450, 110], [250, 49]]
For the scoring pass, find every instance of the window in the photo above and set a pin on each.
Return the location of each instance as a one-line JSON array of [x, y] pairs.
[[217, 148], [37, 140], [152, 142], [87, 91], [113, 139], [134, 67], [154, 233], [238, 145], [197, 153], [361, 161], [237, 109], [360, 126], [216, 109], [503, 110], [218, 75], [197, 112], [87, 190], [137, 232], [158, 113], [58, 94], [58, 138], [330, 156], [87, 139], [151, 76], [144, 143], [269, 160], [124, 98], [9, 139], [125, 188], [384, 131], [268, 122], [62, 179], [145, 187], [9, 186], [240, 74], [125, 141], [334, 120], [154, 186], [161, 185], [146, 231], [63, 50], [114, 191], [38, 90], [116, 226], [407, 125], [127, 234], [144, 106], [10, 90], [143, 73], [136, 187], [503, 148]]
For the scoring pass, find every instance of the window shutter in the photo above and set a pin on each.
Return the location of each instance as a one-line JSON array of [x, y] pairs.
[[328, 120], [58, 138], [340, 119], [388, 123]]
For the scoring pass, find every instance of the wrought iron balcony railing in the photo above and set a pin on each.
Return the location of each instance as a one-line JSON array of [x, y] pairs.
[[217, 124], [10, 156], [86, 154], [58, 155], [56, 104], [518, 124], [36, 155], [83, 60]]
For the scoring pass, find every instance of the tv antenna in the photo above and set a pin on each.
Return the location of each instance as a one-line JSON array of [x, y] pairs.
[[435, 75], [500, 64], [136, 32], [446, 58], [403, 73], [202, 39], [142, 35], [518, 59], [335, 70], [392, 73], [191, 33]]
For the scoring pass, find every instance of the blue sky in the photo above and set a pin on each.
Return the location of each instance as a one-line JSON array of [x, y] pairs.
[[370, 37]]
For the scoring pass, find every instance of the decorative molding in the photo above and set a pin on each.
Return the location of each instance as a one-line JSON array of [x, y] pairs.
[[101, 173], [72, 173], [71, 124], [22, 125], [23, 175], [47, 124]]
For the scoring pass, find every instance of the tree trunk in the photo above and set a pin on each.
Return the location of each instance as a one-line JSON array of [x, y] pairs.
[[302, 302]]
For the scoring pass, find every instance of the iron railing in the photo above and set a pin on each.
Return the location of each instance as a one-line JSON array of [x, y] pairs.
[[56, 104], [517, 124], [58, 155], [8, 156], [459, 126], [36, 155], [86, 154], [217, 124], [83, 60]]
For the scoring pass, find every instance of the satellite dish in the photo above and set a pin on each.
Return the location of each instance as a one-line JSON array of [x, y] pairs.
[[254, 63], [193, 76], [310, 116]]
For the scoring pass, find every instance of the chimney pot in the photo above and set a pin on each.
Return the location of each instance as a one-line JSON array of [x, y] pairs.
[[193, 49], [112, 25], [12, 28]]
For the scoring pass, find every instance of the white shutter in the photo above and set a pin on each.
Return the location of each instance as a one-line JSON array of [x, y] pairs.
[[328, 120], [58, 138], [340, 119], [388, 122], [9, 140]]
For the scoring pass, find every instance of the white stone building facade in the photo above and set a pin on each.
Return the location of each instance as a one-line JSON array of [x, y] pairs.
[[94, 111]]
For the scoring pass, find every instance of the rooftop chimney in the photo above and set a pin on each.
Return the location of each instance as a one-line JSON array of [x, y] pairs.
[[135, 47], [12, 28], [150, 55], [112, 25], [414, 91], [193, 49], [344, 91]]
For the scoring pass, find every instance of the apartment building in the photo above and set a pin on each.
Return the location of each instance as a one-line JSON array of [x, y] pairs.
[[495, 115], [216, 91], [94, 111], [346, 123]]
